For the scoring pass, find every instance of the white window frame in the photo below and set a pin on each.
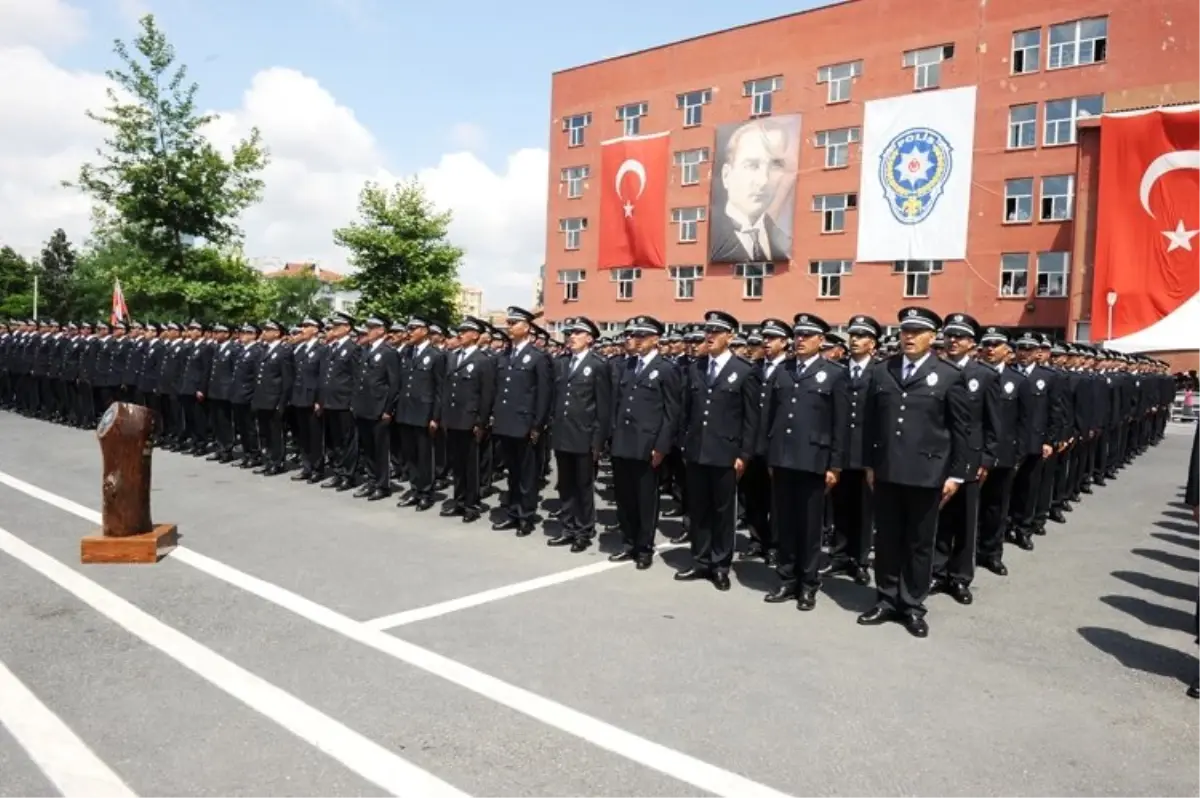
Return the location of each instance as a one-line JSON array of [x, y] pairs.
[[1051, 265], [1062, 205], [570, 280], [760, 91], [917, 273], [1022, 133], [576, 127], [836, 144], [1070, 122], [1080, 42], [1083, 331], [832, 208], [572, 229], [689, 163], [1014, 195], [692, 104], [1031, 54], [630, 116], [829, 274], [685, 278], [1014, 275], [625, 280], [839, 79], [572, 177], [753, 277], [926, 64], [688, 220]]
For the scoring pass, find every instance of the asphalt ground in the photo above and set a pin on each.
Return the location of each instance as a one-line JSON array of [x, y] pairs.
[[301, 642]]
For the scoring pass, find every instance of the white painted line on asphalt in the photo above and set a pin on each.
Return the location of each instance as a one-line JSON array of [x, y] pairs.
[[677, 765], [496, 594], [368, 759], [64, 759]]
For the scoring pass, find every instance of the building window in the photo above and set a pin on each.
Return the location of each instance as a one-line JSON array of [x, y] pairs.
[[572, 178], [1078, 43], [1018, 200], [575, 126], [689, 162], [1014, 274], [837, 145], [1058, 197], [927, 65], [1026, 51], [688, 220], [839, 78], [1052, 273], [1062, 116], [625, 278], [692, 104], [760, 92], [830, 274], [685, 278], [573, 230], [832, 208], [916, 275], [570, 279], [1022, 126], [753, 277], [631, 117], [1083, 332]]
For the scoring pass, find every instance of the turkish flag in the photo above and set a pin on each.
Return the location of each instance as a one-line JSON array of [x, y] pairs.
[[1147, 249], [633, 201]]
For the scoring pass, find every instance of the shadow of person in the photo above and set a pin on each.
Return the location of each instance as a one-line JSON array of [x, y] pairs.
[[1176, 526], [849, 595], [1179, 561], [1167, 588], [1142, 655], [1152, 614], [755, 575], [1178, 540], [610, 542], [1180, 516], [679, 559]]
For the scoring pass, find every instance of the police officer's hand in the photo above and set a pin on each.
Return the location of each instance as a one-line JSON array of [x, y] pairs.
[[316, 408], [831, 479], [656, 459], [1047, 450], [869, 473], [981, 474], [386, 418], [739, 467], [534, 435], [199, 396], [949, 488], [433, 427], [478, 431]]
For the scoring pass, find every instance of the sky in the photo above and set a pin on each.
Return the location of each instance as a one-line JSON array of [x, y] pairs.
[[343, 91]]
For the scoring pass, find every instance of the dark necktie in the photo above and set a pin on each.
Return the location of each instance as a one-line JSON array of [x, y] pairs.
[[909, 368], [712, 371], [856, 372]]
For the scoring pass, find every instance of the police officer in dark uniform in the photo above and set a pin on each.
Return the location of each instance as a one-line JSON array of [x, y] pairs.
[[580, 425], [995, 492], [308, 353], [373, 404], [220, 392], [466, 406], [419, 410], [338, 379], [519, 413], [720, 416], [777, 337], [804, 436], [241, 397], [272, 387], [918, 432], [193, 386], [1038, 439]]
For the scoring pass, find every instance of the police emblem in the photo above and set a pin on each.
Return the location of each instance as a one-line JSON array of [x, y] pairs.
[[821, 376], [913, 170], [931, 380], [973, 386], [1009, 387]]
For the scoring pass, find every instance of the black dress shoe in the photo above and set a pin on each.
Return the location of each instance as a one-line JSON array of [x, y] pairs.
[[644, 561], [682, 537], [581, 544], [691, 575], [423, 505], [916, 625], [561, 540], [835, 567], [621, 556], [363, 492], [785, 592], [347, 484], [1193, 690], [877, 615], [379, 494], [807, 600], [754, 551], [332, 482], [1056, 515], [961, 593], [450, 510], [409, 500], [861, 575], [302, 476], [470, 516], [1024, 541], [554, 514], [772, 558], [721, 581], [214, 457], [316, 477], [508, 523], [262, 469], [672, 512], [995, 566], [524, 529], [938, 584]]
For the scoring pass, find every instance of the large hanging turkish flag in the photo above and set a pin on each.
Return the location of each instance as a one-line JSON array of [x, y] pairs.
[[1147, 249], [633, 202]]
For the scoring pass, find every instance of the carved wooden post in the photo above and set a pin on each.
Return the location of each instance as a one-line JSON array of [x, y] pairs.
[[127, 534]]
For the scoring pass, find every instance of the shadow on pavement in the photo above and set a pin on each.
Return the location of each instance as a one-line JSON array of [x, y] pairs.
[[1142, 655], [1152, 614], [1178, 540], [1179, 561], [1167, 588]]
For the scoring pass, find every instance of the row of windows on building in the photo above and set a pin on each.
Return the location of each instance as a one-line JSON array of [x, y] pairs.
[[1070, 44], [1050, 271]]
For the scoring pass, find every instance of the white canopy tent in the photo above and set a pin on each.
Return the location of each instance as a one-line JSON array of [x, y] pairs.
[[1178, 330]]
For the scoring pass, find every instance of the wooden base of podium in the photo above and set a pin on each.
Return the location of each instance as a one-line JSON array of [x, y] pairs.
[[140, 549]]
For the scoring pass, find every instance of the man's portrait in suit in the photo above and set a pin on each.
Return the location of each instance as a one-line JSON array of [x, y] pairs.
[[754, 191]]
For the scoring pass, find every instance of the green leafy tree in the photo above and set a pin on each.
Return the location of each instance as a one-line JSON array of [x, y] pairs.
[[298, 296], [16, 285], [405, 262], [56, 278]]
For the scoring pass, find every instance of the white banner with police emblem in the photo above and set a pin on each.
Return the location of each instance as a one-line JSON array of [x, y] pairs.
[[915, 197]]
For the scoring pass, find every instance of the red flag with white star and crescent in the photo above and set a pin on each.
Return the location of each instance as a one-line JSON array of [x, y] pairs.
[[633, 202], [1148, 220]]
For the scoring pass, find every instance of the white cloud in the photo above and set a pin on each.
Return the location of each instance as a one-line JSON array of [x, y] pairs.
[[321, 154], [41, 23], [132, 10], [468, 136]]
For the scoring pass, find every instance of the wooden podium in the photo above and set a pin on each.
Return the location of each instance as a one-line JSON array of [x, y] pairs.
[[127, 534]]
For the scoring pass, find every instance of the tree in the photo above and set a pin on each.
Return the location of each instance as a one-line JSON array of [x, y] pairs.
[[295, 297], [16, 285], [404, 259], [56, 280]]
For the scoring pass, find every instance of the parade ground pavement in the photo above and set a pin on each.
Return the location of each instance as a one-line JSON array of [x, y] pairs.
[[302, 642]]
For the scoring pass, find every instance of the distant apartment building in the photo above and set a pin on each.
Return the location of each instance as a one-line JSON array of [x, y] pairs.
[[340, 299], [470, 301]]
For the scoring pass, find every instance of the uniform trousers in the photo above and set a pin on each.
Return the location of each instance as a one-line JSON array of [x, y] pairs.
[[1045, 494], [635, 486], [906, 520], [417, 445], [957, 539], [799, 510], [270, 435], [521, 460], [712, 510], [853, 520], [310, 435], [1026, 488], [341, 440], [220, 412], [995, 496], [577, 489], [756, 487], [1063, 473], [375, 449], [247, 430], [462, 455]]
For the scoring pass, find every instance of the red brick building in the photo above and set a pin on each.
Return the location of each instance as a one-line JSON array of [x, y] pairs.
[[1040, 66]]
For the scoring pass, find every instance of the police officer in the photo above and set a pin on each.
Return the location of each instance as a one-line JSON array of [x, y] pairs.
[[1038, 440], [720, 421], [338, 379], [272, 386], [580, 425], [804, 435], [466, 406], [220, 391], [918, 431], [776, 335], [419, 410], [307, 355], [995, 492], [373, 404]]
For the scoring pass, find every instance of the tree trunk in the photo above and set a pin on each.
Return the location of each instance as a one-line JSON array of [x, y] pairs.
[[124, 435]]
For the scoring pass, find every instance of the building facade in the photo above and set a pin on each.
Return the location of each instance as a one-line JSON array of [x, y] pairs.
[[339, 298], [1039, 67], [470, 301]]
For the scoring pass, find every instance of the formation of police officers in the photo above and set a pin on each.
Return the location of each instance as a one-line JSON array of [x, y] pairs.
[[930, 449]]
